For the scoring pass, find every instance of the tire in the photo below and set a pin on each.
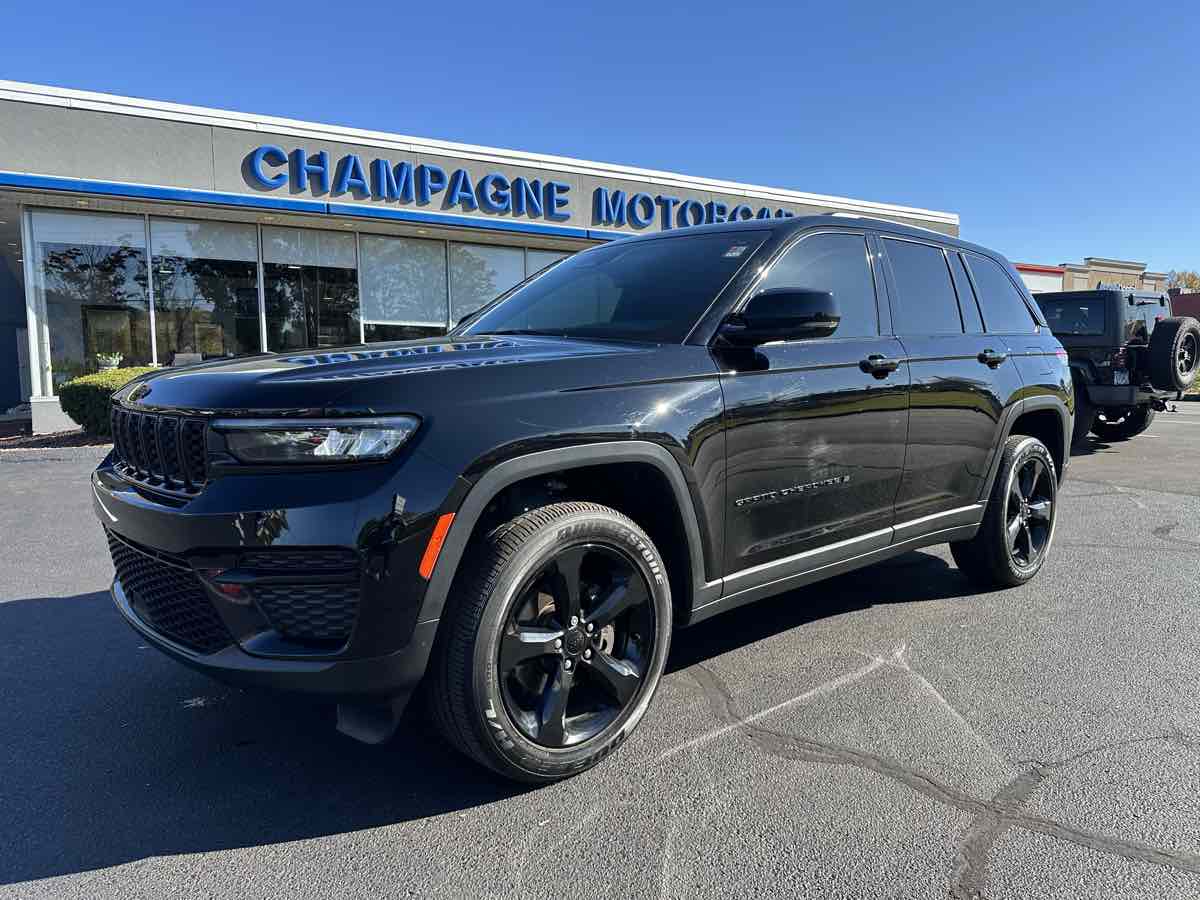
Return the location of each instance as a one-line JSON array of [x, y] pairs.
[[991, 559], [497, 673], [1174, 353], [1085, 415], [1122, 428]]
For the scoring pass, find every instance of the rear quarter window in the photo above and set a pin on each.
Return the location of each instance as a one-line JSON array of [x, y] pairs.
[[1003, 307]]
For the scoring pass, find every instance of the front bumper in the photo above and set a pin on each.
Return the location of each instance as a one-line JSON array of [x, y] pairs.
[[393, 675], [183, 563]]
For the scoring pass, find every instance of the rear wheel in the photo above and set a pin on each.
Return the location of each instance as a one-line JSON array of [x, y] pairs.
[[556, 644], [1115, 425], [1175, 353], [1018, 525]]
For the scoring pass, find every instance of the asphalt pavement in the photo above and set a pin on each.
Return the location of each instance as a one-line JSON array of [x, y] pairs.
[[889, 733]]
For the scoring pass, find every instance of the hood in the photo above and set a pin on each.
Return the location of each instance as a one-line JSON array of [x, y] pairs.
[[327, 381]]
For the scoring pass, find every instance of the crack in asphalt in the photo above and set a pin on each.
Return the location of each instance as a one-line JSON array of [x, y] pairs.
[[992, 817]]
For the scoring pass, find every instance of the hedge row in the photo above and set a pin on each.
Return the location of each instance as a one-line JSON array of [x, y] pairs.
[[88, 399]]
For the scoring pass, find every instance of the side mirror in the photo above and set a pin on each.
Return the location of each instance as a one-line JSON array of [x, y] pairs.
[[782, 314]]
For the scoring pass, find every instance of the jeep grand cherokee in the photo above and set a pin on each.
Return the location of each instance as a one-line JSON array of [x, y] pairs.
[[516, 517]]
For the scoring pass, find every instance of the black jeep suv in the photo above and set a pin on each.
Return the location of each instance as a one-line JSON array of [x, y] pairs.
[[518, 515], [1128, 356]]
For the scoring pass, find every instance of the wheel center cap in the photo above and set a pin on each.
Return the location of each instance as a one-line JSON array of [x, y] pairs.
[[575, 642]]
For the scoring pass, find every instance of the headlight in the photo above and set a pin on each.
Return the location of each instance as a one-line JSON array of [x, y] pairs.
[[269, 441]]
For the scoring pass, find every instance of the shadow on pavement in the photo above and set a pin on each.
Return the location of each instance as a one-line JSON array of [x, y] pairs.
[[114, 753]]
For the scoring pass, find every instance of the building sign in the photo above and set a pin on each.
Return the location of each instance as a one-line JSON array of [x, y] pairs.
[[270, 167]]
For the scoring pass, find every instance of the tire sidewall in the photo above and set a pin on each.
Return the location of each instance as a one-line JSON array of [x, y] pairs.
[[1165, 342], [1027, 449], [1188, 328], [498, 731]]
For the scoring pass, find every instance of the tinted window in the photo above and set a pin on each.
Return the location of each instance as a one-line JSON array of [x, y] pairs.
[[652, 290], [967, 304], [1004, 310], [836, 263], [927, 303], [1075, 316]]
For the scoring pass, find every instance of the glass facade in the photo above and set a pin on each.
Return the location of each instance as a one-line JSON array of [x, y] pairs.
[[173, 291], [311, 280], [205, 288], [481, 272], [15, 380], [91, 282]]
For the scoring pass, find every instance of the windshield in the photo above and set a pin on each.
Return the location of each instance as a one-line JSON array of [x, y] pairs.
[[1074, 316], [639, 290]]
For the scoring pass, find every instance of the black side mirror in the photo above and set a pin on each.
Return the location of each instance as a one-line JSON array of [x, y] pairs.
[[782, 314]]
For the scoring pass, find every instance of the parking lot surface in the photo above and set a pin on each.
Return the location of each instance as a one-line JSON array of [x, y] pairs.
[[889, 733]]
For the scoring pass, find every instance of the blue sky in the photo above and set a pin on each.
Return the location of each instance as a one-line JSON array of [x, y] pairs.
[[1056, 132]]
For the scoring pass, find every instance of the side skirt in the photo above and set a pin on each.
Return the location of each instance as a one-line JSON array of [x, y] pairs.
[[803, 572]]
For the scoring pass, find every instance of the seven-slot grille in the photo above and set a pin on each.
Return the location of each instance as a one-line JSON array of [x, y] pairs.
[[160, 451], [166, 594]]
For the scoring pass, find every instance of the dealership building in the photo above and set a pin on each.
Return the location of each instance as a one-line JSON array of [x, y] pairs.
[[169, 234]]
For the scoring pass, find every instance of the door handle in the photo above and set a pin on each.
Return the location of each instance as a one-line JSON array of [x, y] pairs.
[[879, 365], [992, 358]]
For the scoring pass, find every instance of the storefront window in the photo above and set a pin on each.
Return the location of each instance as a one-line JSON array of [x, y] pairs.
[[205, 289], [536, 260], [479, 273], [311, 283], [15, 381], [90, 278], [403, 287]]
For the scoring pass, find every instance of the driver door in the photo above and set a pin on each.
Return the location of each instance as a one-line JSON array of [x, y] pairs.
[[816, 428]]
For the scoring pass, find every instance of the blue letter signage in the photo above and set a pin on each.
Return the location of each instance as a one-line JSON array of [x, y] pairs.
[[271, 167]]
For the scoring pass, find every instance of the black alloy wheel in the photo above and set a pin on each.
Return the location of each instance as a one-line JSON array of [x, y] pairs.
[[1187, 356], [1013, 540], [553, 642], [576, 645], [1029, 516]]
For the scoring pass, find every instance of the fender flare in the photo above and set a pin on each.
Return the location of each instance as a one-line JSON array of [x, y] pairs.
[[1014, 412], [519, 468]]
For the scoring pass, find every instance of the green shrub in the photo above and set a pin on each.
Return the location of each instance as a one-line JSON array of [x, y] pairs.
[[88, 399]]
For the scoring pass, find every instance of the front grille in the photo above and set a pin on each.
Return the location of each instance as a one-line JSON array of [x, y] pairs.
[[163, 452], [310, 612], [166, 594]]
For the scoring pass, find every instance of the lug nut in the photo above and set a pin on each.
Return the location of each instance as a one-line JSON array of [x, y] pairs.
[[558, 643], [574, 621], [568, 665], [587, 654], [591, 627]]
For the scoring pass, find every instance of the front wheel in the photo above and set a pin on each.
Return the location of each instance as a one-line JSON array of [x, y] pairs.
[[555, 644], [1018, 525]]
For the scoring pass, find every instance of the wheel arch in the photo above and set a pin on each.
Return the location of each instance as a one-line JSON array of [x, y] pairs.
[[1046, 418], [605, 456]]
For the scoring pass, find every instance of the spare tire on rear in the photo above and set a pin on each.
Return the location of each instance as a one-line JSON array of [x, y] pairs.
[[1175, 353]]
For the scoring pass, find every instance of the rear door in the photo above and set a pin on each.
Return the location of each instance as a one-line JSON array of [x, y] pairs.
[[962, 378]]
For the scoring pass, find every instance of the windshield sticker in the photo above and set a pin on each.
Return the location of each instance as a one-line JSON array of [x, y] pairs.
[[735, 251]]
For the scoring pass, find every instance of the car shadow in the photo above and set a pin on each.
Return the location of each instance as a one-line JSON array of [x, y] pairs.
[[114, 753]]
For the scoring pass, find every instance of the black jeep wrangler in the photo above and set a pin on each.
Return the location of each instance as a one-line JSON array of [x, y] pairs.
[[517, 516], [1129, 355]]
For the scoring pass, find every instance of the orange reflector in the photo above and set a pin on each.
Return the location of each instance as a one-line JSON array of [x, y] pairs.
[[440, 530]]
